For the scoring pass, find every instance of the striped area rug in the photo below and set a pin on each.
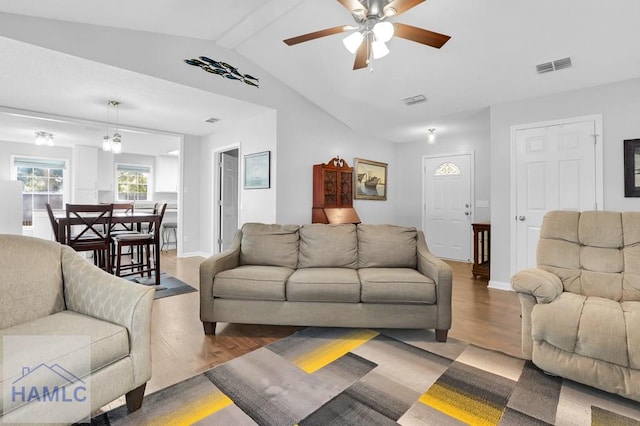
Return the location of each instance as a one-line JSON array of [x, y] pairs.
[[329, 376]]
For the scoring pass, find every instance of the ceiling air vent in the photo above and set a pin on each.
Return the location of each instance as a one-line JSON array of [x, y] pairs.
[[412, 100], [211, 120], [553, 66]]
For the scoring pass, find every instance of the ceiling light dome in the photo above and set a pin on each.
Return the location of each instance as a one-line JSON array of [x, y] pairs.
[[352, 42], [383, 31]]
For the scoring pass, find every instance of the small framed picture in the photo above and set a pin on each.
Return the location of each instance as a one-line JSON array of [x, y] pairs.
[[257, 170], [370, 180], [632, 168]]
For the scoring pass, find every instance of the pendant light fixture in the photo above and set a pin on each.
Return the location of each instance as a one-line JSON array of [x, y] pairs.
[[112, 143]]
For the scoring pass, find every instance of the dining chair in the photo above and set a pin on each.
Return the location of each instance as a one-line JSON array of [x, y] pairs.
[[54, 223], [145, 244], [119, 228], [90, 231]]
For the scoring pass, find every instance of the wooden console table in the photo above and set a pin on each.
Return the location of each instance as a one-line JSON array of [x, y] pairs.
[[481, 250]]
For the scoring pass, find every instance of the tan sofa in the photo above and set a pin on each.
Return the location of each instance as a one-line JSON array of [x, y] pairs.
[[327, 275], [581, 305], [47, 289]]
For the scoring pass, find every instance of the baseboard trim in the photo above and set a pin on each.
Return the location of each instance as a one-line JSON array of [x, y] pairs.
[[196, 254], [498, 285]]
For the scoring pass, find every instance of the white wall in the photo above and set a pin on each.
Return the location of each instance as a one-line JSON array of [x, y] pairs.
[[618, 103], [189, 203], [465, 132]]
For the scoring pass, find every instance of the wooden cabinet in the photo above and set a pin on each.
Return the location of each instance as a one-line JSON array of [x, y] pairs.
[[85, 174], [333, 193], [481, 250], [166, 173], [106, 176]]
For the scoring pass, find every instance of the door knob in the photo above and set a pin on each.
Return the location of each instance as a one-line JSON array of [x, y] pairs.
[[466, 213], [521, 218], [467, 205]]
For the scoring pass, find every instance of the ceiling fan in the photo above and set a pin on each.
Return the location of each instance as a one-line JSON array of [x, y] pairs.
[[373, 30]]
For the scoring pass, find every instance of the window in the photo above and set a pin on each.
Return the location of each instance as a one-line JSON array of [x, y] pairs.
[[43, 182], [133, 182], [447, 169]]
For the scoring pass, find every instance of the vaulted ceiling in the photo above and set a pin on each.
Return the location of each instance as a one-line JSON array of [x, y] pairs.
[[491, 58]]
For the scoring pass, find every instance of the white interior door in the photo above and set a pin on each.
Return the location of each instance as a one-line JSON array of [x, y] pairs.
[[448, 210], [555, 169], [228, 202]]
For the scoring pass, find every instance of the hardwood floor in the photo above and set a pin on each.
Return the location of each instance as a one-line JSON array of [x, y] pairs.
[[485, 317]]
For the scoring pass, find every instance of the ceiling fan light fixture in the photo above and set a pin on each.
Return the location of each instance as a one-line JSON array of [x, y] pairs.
[[379, 49], [383, 31], [353, 41]]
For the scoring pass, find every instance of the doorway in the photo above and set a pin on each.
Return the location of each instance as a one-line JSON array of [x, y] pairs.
[[226, 198], [557, 166], [448, 213]]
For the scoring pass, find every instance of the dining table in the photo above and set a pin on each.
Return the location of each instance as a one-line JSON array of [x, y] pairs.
[[138, 217]]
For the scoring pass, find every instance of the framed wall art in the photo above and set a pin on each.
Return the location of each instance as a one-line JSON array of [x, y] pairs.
[[632, 168], [369, 180], [257, 170]]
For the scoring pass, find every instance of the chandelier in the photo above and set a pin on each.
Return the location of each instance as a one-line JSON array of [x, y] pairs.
[[44, 138], [112, 143]]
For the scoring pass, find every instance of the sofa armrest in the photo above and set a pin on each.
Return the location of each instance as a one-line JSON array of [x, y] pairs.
[[541, 284], [213, 265], [91, 291], [431, 266]]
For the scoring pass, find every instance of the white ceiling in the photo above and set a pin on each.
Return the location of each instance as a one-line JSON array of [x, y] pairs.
[[490, 58]]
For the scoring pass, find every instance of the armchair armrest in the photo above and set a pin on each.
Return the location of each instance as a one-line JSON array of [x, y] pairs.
[[541, 284], [431, 266], [91, 291], [211, 266]]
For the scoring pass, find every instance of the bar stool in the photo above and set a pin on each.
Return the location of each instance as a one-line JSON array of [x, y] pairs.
[[169, 229]]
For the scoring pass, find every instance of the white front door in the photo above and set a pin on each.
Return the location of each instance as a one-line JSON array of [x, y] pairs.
[[555, 169], [228, 198], [448, 210]]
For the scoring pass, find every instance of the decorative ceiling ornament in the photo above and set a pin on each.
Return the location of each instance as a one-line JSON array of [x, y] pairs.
[[223, 70], [373, 30]]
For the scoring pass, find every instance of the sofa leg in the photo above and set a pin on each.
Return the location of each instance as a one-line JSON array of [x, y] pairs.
[[209, 327], [134, 398], [441, 335]]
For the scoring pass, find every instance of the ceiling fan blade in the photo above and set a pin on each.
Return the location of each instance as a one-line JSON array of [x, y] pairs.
[[362, 55], [401, 6], [317, 34], [352, 5], [420, 35]]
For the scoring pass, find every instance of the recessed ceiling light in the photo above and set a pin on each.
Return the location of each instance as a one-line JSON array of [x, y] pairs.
[[211, 120]]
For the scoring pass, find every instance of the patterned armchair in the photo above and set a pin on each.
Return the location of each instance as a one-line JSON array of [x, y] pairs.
[[47, 289]]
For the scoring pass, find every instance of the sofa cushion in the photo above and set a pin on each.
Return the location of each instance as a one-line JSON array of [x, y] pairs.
[[594, 327], [251, 282], [328, 246], [109, 343], [324, 285], [386, 246], [32, 291], [269, 245], [396, 285]]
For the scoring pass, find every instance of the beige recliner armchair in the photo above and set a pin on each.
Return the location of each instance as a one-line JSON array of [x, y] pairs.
[[47, 289], [581, 305]]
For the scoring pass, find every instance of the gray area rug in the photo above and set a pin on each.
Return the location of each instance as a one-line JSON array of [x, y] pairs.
[[328, 376], [169, 285]]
